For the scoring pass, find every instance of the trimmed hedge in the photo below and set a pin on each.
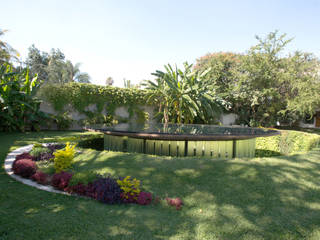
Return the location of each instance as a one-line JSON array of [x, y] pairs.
[[289, 142]]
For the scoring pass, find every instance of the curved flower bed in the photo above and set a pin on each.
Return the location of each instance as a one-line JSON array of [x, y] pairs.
[[21, 164]]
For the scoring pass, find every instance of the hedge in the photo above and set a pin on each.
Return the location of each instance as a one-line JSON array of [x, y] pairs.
[[289, 142]]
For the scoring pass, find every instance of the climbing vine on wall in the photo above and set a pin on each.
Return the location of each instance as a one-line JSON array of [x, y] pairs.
[[80, 96]]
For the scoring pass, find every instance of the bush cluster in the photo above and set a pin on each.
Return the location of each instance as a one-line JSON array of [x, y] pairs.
[[105, 189]]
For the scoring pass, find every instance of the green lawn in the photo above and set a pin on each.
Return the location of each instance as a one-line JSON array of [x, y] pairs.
[[261, 198]]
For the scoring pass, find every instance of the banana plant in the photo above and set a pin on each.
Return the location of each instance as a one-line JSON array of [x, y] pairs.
[[185, 95], [19, 108]]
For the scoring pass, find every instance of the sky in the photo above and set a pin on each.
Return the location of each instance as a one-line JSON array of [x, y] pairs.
[[132, 38]]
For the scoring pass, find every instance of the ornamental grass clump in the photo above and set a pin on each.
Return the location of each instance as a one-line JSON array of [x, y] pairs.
[[63, 158], [130, 188]]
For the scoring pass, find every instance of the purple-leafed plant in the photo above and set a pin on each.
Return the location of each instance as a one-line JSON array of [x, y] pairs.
[[107, 190], [55, 146], [43, 156]]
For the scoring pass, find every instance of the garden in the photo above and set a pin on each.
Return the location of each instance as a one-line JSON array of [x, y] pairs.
[[65, 185]]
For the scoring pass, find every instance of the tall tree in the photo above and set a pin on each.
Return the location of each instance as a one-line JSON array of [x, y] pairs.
[[109, 81], [54, 68], [74, 73], [7, 53]]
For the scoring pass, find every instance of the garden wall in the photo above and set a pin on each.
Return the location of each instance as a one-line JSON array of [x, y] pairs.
[[74, 105]]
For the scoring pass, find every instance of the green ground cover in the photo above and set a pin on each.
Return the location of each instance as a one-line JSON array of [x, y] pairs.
[[260, 198]]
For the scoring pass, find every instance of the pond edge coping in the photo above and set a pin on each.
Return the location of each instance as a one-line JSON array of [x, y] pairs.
[[11, 157]]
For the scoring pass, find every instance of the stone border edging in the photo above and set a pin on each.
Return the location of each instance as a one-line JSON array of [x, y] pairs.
[[11, 157]]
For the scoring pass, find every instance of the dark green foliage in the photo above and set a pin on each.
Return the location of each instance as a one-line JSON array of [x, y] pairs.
[[264, 85], [96, 143]]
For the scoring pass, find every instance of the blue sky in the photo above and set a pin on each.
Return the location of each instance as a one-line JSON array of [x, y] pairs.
[[132, 38]]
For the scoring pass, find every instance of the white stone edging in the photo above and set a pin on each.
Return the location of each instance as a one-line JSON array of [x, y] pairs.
[[11, 157]]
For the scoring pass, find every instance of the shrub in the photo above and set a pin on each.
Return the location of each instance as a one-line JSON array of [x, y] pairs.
[[46, 167], [61, 180], [24, 167], [289, 142], [80, 189], [24, 155], [96, 143], [130, 188], [38, 152], [176, 202], [63, 158], [107, 190], [40, 177], [144, 198], [55, 146], [83, 178]]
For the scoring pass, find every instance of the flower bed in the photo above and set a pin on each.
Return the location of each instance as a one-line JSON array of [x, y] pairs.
[[106, 189]]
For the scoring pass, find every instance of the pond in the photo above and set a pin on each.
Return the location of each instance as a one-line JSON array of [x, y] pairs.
[[183, 139]]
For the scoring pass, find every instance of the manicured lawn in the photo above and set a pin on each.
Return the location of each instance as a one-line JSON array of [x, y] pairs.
[[261, 198]]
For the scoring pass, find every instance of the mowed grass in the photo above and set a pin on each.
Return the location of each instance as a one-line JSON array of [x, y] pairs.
[[261, 198]]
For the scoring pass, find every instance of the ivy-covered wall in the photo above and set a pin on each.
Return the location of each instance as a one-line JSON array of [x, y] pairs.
[[81, 104]]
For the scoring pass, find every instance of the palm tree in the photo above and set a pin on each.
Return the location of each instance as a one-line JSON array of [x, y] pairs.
[[74, 73], [7, 53]]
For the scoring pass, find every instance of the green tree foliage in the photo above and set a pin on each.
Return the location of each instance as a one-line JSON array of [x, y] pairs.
[[184, 96], [54, 68], [19, 108], [265, 85]]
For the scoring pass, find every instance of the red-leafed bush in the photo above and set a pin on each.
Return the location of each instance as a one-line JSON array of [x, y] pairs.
[[24, 167], [40, 177], [144, 198], [61, 180], [177, 202], [80, 189], [24, 155]]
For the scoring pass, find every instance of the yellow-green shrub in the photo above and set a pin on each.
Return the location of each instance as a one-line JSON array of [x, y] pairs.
[[63, 158], [130, 187], [289, 142]]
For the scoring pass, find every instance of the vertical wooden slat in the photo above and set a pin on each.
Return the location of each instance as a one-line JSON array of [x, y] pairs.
[[229, 149], [191, 147], [181, 148], [173, 148]]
